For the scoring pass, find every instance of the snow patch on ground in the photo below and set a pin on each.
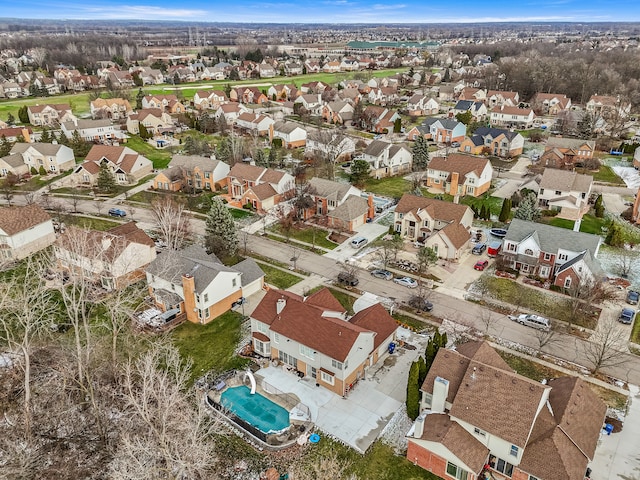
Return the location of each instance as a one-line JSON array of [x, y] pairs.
[[394, 433], [629, 175]]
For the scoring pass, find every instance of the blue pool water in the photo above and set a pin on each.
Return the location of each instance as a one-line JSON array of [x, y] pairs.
[[257, 410]]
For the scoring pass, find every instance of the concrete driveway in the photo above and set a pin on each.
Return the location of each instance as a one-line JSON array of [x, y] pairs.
[[371, 231]]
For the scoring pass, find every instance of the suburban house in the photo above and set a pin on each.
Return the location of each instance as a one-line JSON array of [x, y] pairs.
[[50, 115], [496, 98], [339, 112], [314, 337], [473, 94], [113, 108], [115, 258], [291, 134], [194, 171], [478, 109], [311, 102], [198, 285], [254, 123], [607, 106], [12, 134], [282, 92], [329, 144], [247, 95], [166, 103], [327, 195], [94, 130], [230, 111], [495, 141], [550, 103], [52, 157], [387, 159], [535, 430], [154, 120], [443, 226], [422, 105], [565, 191], [441, 130], [209, 99], [560, 152], [378, 119], [261, 187], [459, 174], [511, 117], [126, 165], [560, 255], [24, 231]]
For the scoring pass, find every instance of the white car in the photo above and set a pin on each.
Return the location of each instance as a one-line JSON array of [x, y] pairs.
[[531, 320], [406, 282]]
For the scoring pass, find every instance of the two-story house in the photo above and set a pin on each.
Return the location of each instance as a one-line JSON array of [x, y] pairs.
[[291, 133], [511, 117], [443, 226], [112, 108], [115, 258], [193, 172], [550, 103], [328, 144], [314, 336], [441, 130], [339, 112], [94, 131], [24, 231], [166, 103], [126, 165], [198, 285], [254, 123], [261, 187], [563, 256], [387, 159], [496, 98], [565, 191], [209, 99], [52, 157], [560, 152], [154, 120], [422, 105], [50, 115], [478, 109], [495, 141], [606, 106], [479, 419], [458, 174]]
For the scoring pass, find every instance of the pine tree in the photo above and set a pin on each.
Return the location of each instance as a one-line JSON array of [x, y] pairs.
[[79, 146], [144, 133], [139, 98], [528, 210], [220, 237], [273, 157], [223, 151], [41, 170], [413, 392], [11, 120], [615, 236], [422, 369], [260, 158], [505, 212], [23, 114], [5, 146], [106, 182], [397, 126], [420, 154], [599, 207], [45, 136]]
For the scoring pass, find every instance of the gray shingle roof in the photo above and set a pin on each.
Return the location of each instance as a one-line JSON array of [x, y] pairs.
[[250, 270], [352, 208], [189, 162], [495, 132], [43, 148], [565, 181], [561, 142], [328, 188]]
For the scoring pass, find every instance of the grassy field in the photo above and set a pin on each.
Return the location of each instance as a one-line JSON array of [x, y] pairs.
[[211, 346], [635, 332], [160, 158], [79, 103], [306, 234], [393, 187], [92, 223], [607, 175], [494, 203], [278, 278], [590, 224]]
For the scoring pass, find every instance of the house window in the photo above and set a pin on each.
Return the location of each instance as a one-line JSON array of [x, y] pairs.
[[426, 223], [276, 337], [547, 256], [307, 352], [259, 346], [558, 192], [261, 327], [206, 297], [542, 191], [562, 256], [233, 282], [567, 282], [514, 451], [531, 477], [207, 175], [477, 431], [511, 247], [456, 472], [504, 467], [400, 216], [327, 377], [529, 252], [336, 364], [288, 359]]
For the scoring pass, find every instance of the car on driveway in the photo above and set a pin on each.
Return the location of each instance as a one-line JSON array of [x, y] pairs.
[[406, 282], [479, 248], [117, 212], [380, 273], [626, 316], [632, 297], [481, 265]]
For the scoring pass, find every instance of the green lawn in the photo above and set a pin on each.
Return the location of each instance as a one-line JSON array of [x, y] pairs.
[[306, 234], [590, 224], [211, 346], [160, 158], [635, 332], [495, 203], [79, 103], [345, 299], [92, 223], [393, 187], [607, 175], [238, 213], [278, 278]]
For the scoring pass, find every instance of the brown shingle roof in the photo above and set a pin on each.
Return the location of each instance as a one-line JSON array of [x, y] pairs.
[[457, 162], [457, 234], [18, 219], [264, 191], [246, 172], [437, 209], [109, 152], [352, 208], [376, 319], [325, 300]]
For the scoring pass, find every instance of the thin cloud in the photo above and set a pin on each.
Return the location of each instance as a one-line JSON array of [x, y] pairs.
[[139, 11]]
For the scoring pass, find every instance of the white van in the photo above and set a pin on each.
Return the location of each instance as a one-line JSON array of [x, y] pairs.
[[534, 321], [359, 242]]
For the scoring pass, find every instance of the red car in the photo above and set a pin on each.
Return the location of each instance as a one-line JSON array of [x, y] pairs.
[[481, 265]]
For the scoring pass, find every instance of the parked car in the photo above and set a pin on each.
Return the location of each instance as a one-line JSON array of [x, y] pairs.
[[626, 316], [632, 297], [347, 279], [455, 144], [346, 165], [117, 212], [479, 248], [481, 265], [530, 320], [380, 273], [406, 282], [420, 303]]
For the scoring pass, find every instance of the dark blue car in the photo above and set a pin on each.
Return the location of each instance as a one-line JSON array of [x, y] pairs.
[[116, 212]]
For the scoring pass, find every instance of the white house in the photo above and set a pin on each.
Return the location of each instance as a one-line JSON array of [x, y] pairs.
[[94, 130], [565, 191], [512, 117], [291, 134], [24, 231], [51, 156], [387, 159]]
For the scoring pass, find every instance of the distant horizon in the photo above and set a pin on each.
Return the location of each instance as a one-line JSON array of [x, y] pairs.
[[340, 12]]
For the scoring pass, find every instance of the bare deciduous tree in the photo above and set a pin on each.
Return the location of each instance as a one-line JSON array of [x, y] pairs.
[[329, 466], [172, 220], [387, 249], [546, 337], [607, 347]]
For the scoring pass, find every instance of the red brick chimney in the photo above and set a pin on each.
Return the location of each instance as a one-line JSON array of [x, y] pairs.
[[372, 208]]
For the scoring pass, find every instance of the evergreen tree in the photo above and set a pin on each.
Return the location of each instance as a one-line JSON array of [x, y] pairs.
[[139, 98], [106, 182], [505, 212], [433, 345], [223, 151], [528, 210], [359, 171], [420, 154], [220, 230], [422, 369], [23, 114], [41, 170], [273, 157], [599, 207], [413, 392], [11, 120], [45, 136], [585, 126], [34, 170], [260, 158], [615, 236], [397, 126], [5, 146], [79, 146], [144, 133]]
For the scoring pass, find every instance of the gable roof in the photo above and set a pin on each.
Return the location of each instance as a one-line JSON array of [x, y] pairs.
[[17, 219], [457, 162], [565, 180], [43, 148], [571, 143], [457, 234], [437, 209], [495, 132], [376, 319], [263, 191], [353, 207], [446, 123], [376, 147], [321, 187], [552, 238], [189, 162], [323, 298]]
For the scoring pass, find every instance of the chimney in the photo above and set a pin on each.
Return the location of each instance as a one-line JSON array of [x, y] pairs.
[[440, 393], [280, 304], [371, 212], [418, 428]]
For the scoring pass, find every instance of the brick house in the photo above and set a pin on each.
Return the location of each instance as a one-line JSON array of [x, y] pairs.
[[495, 141], [201, 173], [262, 187], [560, 152], [560, 255], [459, 174], [550, 103], [522, 430], [441, 130]]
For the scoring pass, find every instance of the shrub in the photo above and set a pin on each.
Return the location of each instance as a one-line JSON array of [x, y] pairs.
[[555, 288], [42, 171], [34, 171], [549, 213]]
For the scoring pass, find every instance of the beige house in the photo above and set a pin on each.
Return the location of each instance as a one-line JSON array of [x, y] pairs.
[[53, 157], [154, 120], [126, 165], [459, 174], [113, 108], [50, 115], [24, 231]]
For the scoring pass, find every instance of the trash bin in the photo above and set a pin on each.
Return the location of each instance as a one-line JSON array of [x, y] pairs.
[[609, 428], [392, 347]]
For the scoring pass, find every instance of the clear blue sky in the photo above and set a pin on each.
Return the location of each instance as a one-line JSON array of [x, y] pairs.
[[333, 11]]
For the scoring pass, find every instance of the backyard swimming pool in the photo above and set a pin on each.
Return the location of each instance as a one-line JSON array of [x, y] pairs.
[[257, 410]]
